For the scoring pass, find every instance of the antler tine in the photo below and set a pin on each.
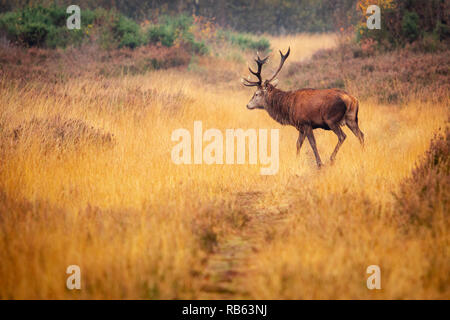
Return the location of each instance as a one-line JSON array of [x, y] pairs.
[[250, 83], [283, 59], [260, 62]]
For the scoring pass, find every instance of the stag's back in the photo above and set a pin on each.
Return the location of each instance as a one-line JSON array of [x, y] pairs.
[[316, 107]]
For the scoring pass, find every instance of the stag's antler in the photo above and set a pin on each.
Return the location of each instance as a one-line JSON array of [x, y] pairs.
[[260, 63], [283, 59]]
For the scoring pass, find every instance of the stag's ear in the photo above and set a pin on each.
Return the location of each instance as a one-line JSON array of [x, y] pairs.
[[274, 83], [268, 86]]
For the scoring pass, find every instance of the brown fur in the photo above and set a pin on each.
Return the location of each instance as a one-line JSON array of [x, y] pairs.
[[308, 109]]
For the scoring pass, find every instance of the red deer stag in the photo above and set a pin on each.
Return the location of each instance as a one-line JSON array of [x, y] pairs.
[[306, 109]]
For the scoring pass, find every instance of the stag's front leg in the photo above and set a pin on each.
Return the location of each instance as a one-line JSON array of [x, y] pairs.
[[312, 142], [301, 138]]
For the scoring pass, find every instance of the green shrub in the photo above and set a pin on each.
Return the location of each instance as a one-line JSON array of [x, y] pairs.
[[130, 40], [25, 27], [200, 47], [88, 17], [181, 23], [173, 29], [410, 26], [41, 26], [46, 26], [245, 41], [34, 33], [62, 37], [170, 29], [161, 33], [127, 32]]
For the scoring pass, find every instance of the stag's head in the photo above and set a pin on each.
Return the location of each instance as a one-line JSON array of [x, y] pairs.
[[259, 99]]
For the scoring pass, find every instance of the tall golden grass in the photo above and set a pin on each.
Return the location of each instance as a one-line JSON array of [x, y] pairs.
[[86, 178]]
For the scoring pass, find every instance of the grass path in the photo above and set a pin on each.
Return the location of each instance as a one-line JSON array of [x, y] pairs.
[[230, 262]]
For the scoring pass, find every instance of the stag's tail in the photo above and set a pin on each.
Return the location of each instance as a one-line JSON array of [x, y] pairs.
[[352, 110], [351, 116]]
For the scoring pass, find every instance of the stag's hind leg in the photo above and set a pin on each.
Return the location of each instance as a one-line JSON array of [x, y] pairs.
[[353, 126], [341, 136]]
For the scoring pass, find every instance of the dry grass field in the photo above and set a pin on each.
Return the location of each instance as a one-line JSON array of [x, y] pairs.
[[86, 178]]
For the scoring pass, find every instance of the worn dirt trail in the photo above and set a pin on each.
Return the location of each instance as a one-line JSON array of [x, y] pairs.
[[231, 260]]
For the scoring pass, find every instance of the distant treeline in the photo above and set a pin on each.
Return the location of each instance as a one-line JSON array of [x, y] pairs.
[[403, 21], [255, 16]]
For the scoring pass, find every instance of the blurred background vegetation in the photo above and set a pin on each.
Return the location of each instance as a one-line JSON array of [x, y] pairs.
[[409, 52], [255, 16], [133, 23]]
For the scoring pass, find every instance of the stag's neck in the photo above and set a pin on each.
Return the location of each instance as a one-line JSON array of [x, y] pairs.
[[279, 106]]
